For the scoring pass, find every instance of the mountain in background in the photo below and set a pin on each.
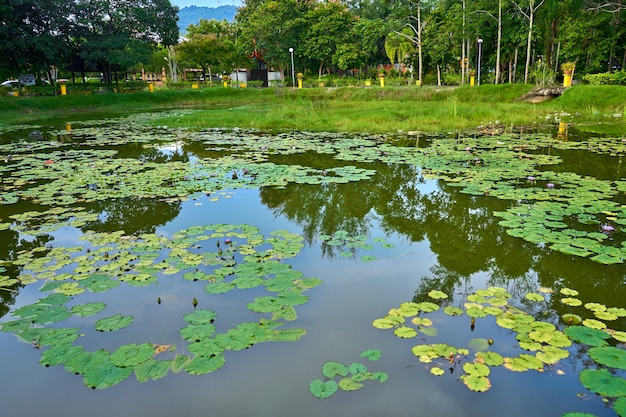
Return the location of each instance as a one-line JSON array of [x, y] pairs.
[[193, 14]]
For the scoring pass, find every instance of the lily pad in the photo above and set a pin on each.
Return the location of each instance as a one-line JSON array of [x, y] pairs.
[[112, 323], [609, 356], [323, 389], [602, 382]]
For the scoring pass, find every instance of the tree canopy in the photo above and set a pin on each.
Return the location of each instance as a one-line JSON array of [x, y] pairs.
[[517, 39]]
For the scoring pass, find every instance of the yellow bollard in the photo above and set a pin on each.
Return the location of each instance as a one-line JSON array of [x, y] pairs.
[[151, 87], [194, 86], [567, 79], [68, 127], [472, 79], [300, 78], [381, 79], [63, 89]]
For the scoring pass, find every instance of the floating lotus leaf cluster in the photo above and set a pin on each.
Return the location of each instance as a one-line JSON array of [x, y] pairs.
[[541, 344], [350, 377], [225, 257]]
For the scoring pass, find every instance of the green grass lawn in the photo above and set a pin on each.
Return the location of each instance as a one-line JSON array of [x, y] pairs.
[[348, 109]]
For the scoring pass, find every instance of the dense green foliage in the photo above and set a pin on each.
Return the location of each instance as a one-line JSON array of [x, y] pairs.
[[510, 41]]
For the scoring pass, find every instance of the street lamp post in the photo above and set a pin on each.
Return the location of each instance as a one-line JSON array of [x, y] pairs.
[[293, 72], [480, 47]]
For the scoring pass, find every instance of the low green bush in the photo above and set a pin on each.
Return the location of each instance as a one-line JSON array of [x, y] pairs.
[[606, 78]]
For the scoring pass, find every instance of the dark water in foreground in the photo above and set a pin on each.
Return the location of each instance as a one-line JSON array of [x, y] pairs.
[[439, 239]]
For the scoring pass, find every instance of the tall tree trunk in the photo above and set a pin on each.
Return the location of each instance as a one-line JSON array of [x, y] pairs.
[[463, 57], [499, 40], [419, 39]]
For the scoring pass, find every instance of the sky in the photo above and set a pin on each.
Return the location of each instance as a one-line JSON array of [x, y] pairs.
[[205, 3]]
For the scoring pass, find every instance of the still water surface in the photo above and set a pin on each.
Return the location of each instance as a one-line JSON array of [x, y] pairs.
[[439, 239]]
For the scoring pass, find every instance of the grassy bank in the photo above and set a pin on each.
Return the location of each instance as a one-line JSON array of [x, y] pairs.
[[321, 109]]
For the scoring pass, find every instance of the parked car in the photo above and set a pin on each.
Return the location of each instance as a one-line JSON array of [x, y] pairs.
[[213, 77], [10, 83]]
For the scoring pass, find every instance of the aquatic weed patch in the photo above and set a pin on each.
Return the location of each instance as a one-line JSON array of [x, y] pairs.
[[232, 257], [539, 345]]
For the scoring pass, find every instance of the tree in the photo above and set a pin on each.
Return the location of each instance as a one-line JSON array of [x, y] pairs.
[[329, 28], [115, 34], [33, 35], [529, 14], [270, 27], [207, 52]]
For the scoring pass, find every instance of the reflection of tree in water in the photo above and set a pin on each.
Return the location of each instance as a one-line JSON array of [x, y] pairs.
[[132, 215], [11, 244], [461, 229]]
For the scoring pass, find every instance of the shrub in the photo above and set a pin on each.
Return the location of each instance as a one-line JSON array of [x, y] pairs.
[[606, 78]]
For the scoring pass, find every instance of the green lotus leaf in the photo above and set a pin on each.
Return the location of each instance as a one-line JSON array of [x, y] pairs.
[[291, 298], [388, 322], [99, 283], [405, 332], [571, 319], [357, 368], [194, 276], [437, 295], [368, 258], [89, 309], [58, 337], [349, 384], [452, 311], [265, 305], [179, 363], [568, 292], [15, 326], [380, 376], [533, 296], [205, 364], [371, 354], [607, 259], [476, 369], [435, 370], [620, 406], [100, 372], [197, 332], [476, 311], [323, 389], [595, 307], [602, 382], [617, 335], [422, 321], [408, 309], [490, 358], [112, 323], [551, 355], [152, 370], [207, 347], [59, 354], [594, 324], [331, 369], [609, 356], [245, 283], [54, 299], [523, 363], [618, 311], [572, 302], [587, 335], [219, 288], [476, 383], [287, 335], [132, 354], [578, 415], [200, 316]]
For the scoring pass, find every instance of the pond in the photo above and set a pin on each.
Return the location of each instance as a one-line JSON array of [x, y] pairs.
[[151, 271]]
